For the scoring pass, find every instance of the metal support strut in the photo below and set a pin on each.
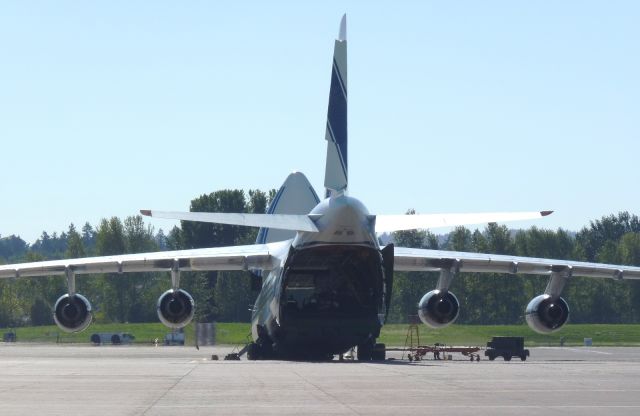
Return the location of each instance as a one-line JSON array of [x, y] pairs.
[[559, 278], [71, 280], [175, 275], [447, 274]]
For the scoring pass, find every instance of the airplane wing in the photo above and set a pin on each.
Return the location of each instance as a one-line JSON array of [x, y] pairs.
[[259, 256], [388, 223], [277, 221], [410, 259]]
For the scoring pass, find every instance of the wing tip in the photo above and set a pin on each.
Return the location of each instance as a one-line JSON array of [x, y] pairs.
[[545, 213], [146, 212], [342, 34]]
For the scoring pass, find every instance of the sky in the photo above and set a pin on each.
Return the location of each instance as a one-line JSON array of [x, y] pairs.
[[110, 107]]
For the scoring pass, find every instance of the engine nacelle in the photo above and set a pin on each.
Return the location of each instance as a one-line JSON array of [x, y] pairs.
[[545, 314], [438, 309], [72, 313], [176, 308]]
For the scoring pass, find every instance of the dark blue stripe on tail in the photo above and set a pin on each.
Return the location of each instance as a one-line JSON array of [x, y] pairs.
[[262, 233], [337, 114]]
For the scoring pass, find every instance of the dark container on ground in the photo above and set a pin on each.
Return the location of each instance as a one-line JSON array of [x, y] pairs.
[[506, 347]]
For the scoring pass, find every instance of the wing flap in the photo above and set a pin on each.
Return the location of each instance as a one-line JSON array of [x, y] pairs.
[[259, 256], [409, 259]]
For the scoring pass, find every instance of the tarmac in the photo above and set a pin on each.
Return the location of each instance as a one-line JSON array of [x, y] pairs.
[[144, 380]]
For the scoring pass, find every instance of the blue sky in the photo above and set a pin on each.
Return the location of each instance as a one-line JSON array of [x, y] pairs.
[[110, 107]]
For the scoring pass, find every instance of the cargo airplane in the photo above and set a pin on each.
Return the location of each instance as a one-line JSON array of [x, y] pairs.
[[326, 281]]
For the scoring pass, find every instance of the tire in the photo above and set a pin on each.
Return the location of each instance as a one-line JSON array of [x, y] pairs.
[[253, 352], [365, 352], [379, 352], [523, 357], [507, 357]]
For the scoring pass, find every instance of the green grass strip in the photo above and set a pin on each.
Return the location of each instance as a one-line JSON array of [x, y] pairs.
[[392, 335]]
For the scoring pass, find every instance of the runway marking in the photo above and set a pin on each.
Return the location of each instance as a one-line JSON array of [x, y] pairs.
[[576, 350]]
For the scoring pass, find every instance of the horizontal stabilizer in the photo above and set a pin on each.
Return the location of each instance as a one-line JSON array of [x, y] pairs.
[[388, 223], [278, 221]]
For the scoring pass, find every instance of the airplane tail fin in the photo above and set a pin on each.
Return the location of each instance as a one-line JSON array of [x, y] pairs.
[[336, 177]]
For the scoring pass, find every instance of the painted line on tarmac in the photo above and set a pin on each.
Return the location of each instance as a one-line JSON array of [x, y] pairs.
[[576, 350]]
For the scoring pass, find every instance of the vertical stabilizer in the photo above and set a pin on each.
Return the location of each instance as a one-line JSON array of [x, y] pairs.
[[336, 177]]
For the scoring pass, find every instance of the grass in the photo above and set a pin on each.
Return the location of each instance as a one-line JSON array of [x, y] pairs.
[[393, 334], [145, 333], [602, 335]]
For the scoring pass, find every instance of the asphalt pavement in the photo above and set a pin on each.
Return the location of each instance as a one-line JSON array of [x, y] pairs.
[[135, 380]]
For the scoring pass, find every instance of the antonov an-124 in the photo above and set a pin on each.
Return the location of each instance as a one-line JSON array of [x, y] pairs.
[[326, 280]]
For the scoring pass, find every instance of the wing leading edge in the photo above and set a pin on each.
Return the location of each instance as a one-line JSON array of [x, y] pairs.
[[388, 223], [259, 256], [410, 259]]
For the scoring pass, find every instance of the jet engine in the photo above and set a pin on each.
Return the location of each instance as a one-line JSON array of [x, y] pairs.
[[176, 308], [546, 314], [72, 313], [438, 308]]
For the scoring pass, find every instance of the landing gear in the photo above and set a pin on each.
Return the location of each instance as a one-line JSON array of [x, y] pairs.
[[379, 352], [364, 351], [369, 351], [259, 351], [252, 352]]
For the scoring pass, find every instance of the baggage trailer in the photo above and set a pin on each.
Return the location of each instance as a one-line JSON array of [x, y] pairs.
[[506, 347], [439, 352]]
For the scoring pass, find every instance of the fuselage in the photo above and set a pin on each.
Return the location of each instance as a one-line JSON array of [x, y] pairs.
[[328, 292]]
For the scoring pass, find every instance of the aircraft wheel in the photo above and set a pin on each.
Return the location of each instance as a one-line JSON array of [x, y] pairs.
[[365, 352], [379, 352], [253, 352]]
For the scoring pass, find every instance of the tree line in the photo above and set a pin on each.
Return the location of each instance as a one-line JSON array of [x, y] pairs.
[[228, 296], [223, 296], [493, 298]]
